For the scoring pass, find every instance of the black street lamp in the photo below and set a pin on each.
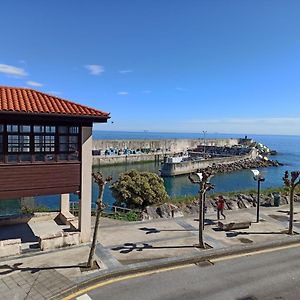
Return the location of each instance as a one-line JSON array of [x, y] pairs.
[[204, 186], [259, 178]]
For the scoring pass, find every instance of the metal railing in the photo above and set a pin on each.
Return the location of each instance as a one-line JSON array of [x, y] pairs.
[[74, 208]]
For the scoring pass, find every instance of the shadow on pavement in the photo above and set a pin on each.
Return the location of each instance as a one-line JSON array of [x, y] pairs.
[[236, 233], [8, 269], [207, 221], [129, 247], [154, 230]]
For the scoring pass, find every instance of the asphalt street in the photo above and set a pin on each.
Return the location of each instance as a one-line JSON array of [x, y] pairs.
[[274, 275]]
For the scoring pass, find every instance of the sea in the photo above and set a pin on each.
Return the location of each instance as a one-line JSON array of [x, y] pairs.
[[288, 153]]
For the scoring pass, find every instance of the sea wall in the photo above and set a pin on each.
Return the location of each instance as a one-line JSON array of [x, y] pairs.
[[159, 148], [172, 145], [100, 160]]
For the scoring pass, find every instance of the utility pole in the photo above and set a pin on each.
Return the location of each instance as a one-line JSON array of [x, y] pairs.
[[291, 183], [204, 186]]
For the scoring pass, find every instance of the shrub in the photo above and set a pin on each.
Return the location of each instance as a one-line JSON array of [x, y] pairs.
[[139, 189]]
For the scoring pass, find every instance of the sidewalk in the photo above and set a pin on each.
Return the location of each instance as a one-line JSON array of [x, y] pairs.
[[127, 247]]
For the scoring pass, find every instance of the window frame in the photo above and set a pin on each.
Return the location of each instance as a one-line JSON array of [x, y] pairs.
[[51, 154]]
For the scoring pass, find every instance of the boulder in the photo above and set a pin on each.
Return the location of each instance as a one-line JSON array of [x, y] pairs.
[[164, 211], [232, 204], [151, 212], [241, 204]]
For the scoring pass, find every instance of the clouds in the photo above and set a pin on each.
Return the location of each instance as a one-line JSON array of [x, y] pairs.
[[95, 69], [16, 72], [123, 93], [12, 71], [125, 71], [34, 83]]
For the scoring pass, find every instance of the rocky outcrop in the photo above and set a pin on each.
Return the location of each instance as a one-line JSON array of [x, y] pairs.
[[237, 201], [243, 165]]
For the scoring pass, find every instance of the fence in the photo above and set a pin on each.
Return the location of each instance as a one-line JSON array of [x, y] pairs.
[[74, 208]]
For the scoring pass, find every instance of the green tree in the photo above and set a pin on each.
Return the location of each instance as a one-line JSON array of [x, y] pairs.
[[139, 189]]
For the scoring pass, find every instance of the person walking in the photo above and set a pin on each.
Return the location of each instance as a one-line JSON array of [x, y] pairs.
[[220, 207]]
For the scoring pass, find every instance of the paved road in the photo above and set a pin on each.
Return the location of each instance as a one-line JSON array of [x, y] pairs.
[[274, 275]]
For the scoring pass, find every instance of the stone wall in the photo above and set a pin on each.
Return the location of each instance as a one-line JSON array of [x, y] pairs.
[[10, 247], [59, 240]]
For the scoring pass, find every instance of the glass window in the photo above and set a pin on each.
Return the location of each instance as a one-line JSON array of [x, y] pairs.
[[49, 157], [12, 158], [39, 129], [18, 143], [39, 157], [1, 128], [74, 156], [24, 128], [12, 128], [44, 143], [63, 129], [74, 129], [63, 156], [50, 129], [25, 157], [1, 143]]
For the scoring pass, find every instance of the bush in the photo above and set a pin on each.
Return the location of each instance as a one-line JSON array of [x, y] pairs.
[[139, 189]]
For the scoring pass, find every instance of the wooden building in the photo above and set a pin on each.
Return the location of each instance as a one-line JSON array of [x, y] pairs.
[[45, 148]]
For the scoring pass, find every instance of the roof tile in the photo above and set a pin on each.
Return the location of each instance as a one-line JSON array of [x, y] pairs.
[[31, 101]]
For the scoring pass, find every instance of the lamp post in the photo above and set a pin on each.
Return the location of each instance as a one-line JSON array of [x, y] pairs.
[[259, 178], [204, 186], [204, 132]]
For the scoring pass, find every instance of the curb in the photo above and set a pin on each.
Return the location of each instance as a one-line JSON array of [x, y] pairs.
[[174, 261]]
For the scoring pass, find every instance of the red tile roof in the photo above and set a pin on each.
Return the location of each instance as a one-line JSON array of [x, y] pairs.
[[25, 100]]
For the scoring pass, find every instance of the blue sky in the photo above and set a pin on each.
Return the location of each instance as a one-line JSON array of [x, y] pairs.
[[184, 66]]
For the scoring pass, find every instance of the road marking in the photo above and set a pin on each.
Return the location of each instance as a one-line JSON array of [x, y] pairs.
[[141, 274], [254, 253], [84, 297], [123, 278]]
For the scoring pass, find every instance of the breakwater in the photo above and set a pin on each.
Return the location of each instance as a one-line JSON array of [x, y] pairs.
[[171, 145], [101, 160], [189, 166], [110, 152]]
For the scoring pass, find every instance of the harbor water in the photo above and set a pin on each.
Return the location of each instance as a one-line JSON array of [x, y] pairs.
[[287, 147]]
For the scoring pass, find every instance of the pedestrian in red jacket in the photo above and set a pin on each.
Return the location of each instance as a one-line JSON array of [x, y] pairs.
[[220, 207]]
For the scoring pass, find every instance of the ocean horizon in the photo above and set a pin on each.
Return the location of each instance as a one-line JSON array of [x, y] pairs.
[[147, 134]]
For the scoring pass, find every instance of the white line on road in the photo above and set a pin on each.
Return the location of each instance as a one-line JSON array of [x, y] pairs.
[[84, 297]]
